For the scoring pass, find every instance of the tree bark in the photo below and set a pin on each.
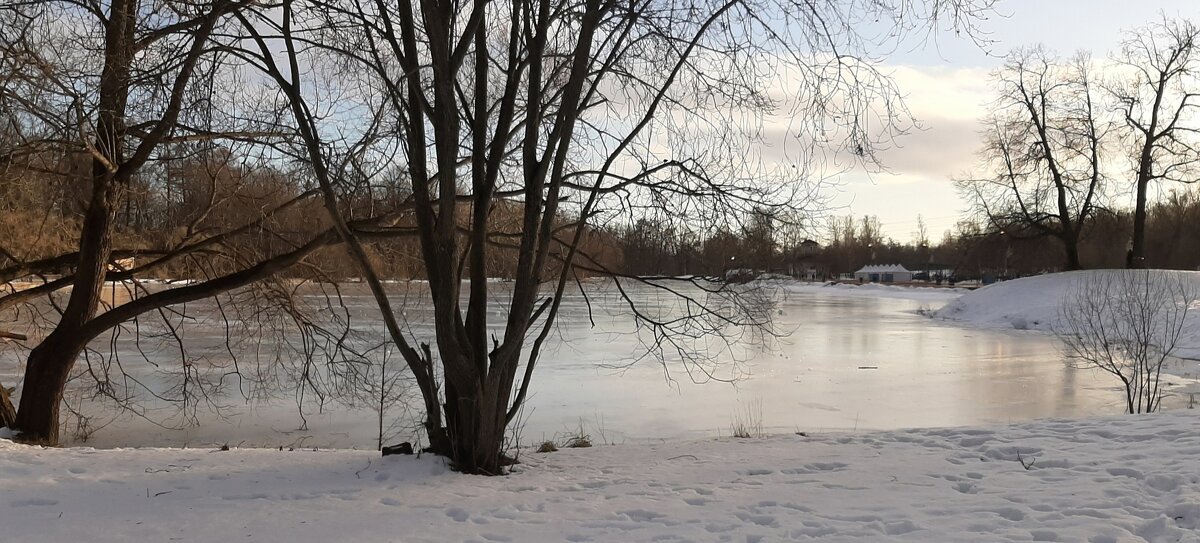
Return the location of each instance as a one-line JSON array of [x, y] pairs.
[[1138, 259], [1071, 246], [51, 361], [45, 379]]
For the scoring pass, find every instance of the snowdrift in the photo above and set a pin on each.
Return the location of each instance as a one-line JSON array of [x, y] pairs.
[[1032, 303]]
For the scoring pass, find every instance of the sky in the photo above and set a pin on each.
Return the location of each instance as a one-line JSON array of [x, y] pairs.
[[946, 85]]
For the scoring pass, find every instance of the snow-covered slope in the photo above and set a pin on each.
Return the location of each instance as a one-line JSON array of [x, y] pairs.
[[1099, 480], [1033, 303]]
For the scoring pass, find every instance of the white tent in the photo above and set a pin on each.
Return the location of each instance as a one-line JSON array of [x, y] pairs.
[[883, 273]]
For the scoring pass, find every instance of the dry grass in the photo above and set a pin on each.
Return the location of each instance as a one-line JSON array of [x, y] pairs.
[[747, 421]]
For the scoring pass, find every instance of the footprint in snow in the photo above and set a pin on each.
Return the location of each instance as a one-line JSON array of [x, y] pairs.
[[1125, 472], [758, 471], [1044, 535], [966, 488], [1013, 514]]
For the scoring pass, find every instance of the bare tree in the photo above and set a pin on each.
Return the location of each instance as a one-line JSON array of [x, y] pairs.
[[1159, 97], [579, 114], [1127, 324], [1044, 151], [124, 89]]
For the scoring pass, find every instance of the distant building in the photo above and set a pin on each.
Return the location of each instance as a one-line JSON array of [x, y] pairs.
[[883, 273], [805, 263]]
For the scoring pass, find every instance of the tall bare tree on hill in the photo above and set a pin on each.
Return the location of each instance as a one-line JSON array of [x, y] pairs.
[[1159, 100], [1044, 151]]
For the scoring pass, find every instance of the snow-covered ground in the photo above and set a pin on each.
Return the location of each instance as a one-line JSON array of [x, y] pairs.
[[1130, 478], [1093, 480]]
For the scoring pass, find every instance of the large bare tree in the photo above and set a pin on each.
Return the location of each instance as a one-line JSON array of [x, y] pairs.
[[578, 114], [1044, 151], [106, 98], [1158, 96]]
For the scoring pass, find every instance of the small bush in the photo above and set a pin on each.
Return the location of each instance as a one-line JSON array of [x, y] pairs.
[[547, 447], [1128, 324], [579, 441]]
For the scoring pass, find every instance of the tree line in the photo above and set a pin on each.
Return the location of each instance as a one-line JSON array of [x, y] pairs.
[[1072, 142]]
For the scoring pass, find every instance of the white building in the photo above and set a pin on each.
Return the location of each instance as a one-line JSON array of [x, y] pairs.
[[883, 273]]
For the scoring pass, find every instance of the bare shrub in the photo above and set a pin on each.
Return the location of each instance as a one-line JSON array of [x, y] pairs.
[[1128, 324], [578, 441]]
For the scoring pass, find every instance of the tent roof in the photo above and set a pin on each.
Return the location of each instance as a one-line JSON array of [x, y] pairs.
[[883, 268]]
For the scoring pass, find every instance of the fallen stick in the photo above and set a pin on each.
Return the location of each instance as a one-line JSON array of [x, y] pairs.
[[12, 335]]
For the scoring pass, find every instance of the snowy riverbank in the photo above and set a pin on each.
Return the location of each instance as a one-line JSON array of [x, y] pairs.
[[1034, 303], [1098, 480]]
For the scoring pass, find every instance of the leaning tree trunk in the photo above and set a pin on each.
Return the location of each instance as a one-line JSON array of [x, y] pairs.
[[45, 380], [51, 361]]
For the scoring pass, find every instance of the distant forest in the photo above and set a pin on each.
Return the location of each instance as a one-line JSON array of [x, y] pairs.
[[195, 193]]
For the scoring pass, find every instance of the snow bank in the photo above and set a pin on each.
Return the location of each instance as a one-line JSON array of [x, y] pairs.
[[875, 290], [1033, 303], [1098, 480]]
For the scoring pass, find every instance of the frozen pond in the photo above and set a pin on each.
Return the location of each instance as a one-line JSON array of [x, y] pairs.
[[850, 362]]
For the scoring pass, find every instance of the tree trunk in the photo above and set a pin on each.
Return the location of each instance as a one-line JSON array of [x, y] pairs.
[[476, 427], [1072, 249], [1138, 257], [45, 379], [51, 361]]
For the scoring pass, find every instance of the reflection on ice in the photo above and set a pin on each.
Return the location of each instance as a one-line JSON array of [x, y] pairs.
[[924, 373]]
